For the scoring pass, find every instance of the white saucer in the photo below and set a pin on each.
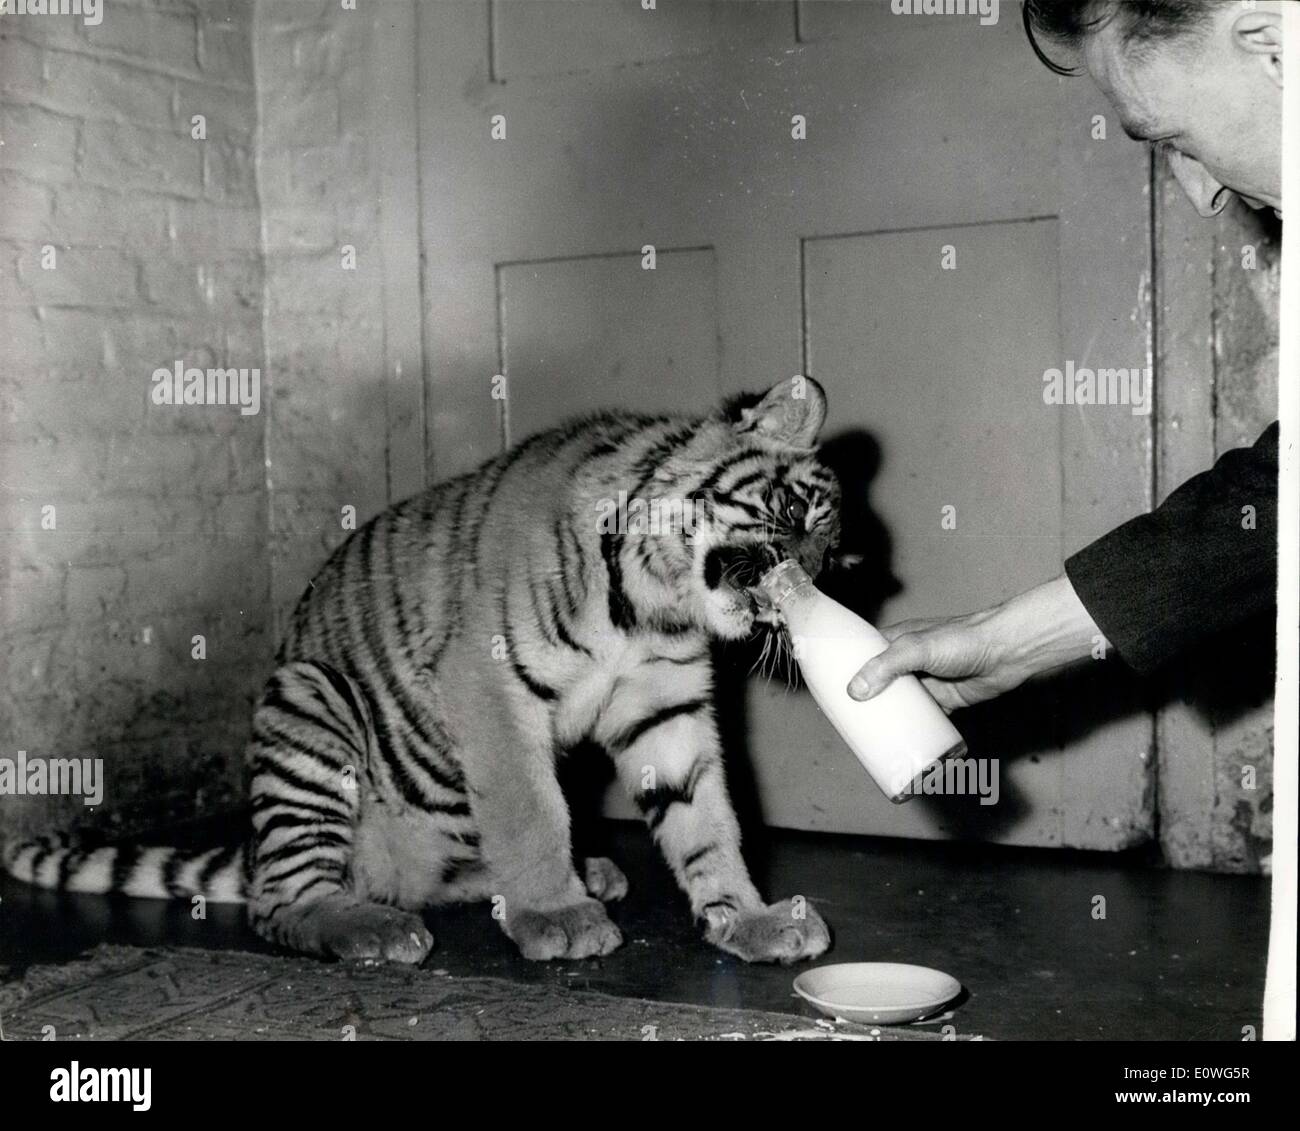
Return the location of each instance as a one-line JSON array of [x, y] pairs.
[[883, 993]]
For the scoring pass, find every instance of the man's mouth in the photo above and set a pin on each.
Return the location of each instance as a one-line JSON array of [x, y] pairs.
[[1258, 204]]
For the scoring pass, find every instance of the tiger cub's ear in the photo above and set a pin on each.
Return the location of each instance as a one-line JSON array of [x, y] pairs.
[[791, 412]]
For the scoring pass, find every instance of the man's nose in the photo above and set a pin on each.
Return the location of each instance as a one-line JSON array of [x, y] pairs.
[[1207, 195]]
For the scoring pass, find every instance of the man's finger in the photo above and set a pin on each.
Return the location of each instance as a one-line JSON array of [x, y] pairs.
[[906, 654], [943, 693], [892, 632]]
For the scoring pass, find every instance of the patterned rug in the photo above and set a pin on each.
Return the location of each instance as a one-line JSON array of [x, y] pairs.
[[175, 994]]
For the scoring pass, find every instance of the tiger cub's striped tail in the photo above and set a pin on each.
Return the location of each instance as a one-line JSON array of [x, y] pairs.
[[62, 863]]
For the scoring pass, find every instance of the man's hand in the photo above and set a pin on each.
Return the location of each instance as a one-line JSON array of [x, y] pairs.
[[967, 659]]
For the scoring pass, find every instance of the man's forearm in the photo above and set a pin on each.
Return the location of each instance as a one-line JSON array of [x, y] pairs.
[[971, 658], [1043, 629], [1203, 561]]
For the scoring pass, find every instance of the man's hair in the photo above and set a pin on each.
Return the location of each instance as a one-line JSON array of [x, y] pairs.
[[1141, 21]]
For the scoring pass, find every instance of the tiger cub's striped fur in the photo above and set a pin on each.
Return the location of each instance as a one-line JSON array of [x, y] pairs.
[[404, 752]]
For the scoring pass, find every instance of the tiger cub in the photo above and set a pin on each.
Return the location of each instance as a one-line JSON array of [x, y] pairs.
[[404, 752]]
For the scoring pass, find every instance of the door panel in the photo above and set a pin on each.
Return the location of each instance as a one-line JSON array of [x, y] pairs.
[[779, 256], [875, 21], [911, 347], [583, 35], [585, 334]]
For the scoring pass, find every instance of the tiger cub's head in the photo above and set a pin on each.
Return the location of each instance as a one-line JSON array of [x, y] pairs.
[[764, 497]]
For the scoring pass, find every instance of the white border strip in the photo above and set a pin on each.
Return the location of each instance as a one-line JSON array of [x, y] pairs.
[[1279, 988]]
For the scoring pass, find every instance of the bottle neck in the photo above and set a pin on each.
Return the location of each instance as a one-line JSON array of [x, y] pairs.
[[786, 584]]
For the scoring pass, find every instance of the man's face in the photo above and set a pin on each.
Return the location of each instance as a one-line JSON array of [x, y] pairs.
[[1211, 98]]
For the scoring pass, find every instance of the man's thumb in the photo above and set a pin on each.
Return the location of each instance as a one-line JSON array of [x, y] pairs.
[[871, 680], [880, 671]]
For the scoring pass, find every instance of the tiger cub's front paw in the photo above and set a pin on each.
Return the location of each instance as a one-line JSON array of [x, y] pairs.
[[784, 932], [603, 879], [370, 931], [578, 930]]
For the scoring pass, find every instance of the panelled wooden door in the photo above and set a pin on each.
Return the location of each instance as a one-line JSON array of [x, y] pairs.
[[948, 229]]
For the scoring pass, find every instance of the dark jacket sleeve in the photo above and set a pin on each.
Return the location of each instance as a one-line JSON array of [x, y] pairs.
[[1195, 565]]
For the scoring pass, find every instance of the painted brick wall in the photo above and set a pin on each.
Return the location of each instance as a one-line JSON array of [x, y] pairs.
[[165, 250], [318, 81], [158, 512]]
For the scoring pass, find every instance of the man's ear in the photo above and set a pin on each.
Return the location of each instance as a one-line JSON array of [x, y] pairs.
[[1259, 32], [791, 412]]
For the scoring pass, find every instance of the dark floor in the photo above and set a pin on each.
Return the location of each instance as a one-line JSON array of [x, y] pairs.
[[1179, 956]]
